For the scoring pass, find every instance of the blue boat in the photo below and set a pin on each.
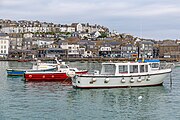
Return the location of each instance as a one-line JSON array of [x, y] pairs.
[[20, 72], [38, 66], [15, 72]]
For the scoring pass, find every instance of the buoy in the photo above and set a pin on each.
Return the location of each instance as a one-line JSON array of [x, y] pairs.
[[106, 80], [123, 80], [132, 80], [43, 76], [140, 97], [52, 76]]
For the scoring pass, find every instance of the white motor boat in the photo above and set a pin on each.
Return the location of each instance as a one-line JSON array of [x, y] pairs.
[[129, 74]]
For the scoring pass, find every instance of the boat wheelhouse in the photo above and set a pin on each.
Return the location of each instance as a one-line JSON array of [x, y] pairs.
[[129, 74]]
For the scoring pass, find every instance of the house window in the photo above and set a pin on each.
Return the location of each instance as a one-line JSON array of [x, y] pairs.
[[4, 42], [4, 51], [129, 48], [4, 47], [1, 51], [1, 47]]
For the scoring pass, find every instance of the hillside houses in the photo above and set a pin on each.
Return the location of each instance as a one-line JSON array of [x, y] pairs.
[[31, 39], [24, 26]]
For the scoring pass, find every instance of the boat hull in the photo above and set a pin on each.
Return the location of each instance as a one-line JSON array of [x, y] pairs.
[[11, 72], [20, 72], [107, 81], [46, 76], [50, 76]]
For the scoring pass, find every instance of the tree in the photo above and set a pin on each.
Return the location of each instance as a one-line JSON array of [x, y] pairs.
[[103, 35]]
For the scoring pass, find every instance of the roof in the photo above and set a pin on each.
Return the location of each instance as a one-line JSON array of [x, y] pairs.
[[114, 43], [146, 42]]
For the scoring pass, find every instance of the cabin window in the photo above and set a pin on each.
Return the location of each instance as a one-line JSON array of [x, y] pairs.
[[155, 65], [109, 69], [63, 66], [133, 68], [146, 68], [142, 68], [123, 69]]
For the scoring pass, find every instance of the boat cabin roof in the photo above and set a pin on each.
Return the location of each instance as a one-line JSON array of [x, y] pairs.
[[125, 68], [126, 63], [150, 61]]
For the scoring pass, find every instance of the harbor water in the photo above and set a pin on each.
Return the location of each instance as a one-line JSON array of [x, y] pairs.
[[21, 100]]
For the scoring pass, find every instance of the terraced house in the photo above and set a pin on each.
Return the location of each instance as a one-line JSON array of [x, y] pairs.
[[4, 45]]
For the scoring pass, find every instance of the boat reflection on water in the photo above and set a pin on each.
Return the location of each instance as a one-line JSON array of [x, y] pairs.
[[121, 102], [122, 93], [51, 86]]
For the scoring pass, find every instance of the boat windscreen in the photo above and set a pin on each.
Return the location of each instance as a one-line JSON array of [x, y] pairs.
[[154, 65], [109, 69], [123, 69], [133, 68]]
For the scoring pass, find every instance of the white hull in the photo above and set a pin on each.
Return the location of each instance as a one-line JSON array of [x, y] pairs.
[[129, 80]]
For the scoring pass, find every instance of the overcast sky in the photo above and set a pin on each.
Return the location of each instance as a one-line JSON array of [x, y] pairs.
[[155, 19]]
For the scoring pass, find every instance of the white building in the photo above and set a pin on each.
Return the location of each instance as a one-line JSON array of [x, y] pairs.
[[4, 45], [45, 43], [72, 50], [95, 34], [67, 28], [25, 29], [87, 54], [105, 49], [77, 26]]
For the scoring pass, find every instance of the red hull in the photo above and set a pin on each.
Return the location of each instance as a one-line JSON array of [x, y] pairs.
[[81, 72], [49, 76], [46, 77]]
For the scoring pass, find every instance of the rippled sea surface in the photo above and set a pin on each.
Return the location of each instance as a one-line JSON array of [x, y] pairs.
[[21, 100]]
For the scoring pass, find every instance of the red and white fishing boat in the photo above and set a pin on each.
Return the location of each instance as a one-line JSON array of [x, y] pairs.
[[64, 73]]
